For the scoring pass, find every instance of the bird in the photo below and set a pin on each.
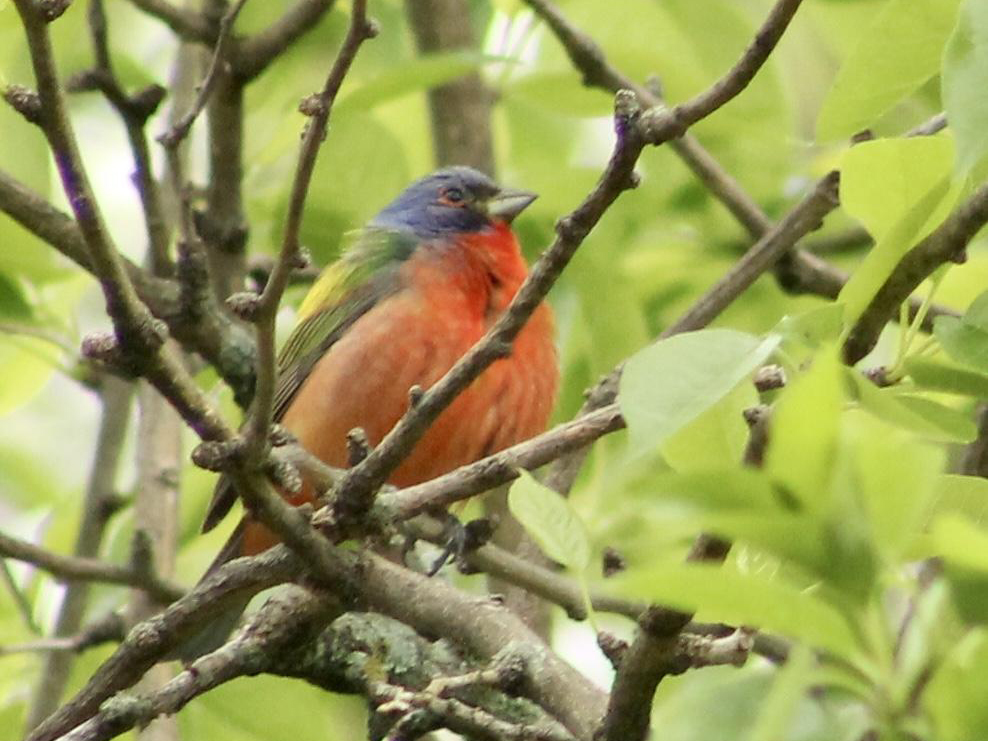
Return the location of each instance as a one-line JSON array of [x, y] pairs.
[[409, 295]]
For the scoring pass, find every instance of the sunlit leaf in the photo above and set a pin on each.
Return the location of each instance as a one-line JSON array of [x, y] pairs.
[[669, 384], [964, 81], [742, 599], [897, 53], [551, 521]]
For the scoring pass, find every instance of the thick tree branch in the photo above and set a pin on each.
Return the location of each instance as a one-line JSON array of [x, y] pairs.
[[947, 243], [460, 109]]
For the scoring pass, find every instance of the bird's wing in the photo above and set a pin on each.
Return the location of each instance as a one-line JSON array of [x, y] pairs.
[[365, 274]]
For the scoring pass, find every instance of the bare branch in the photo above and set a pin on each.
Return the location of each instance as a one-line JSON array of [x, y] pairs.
[[255, 53], [180, 129], [115, 396], [264, 312], [947, 243], [71, 568], [187, 24]]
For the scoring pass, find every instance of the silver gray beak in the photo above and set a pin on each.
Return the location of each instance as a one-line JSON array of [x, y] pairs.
[[507, 204]]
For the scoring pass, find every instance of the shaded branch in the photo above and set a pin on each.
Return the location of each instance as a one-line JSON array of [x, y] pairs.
[[187, 24], [263, 311], [147, 642], [947, 243], [255, 53], [97, 506]]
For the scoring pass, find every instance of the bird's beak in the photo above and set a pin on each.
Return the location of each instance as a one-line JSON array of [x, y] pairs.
[[508, 203]]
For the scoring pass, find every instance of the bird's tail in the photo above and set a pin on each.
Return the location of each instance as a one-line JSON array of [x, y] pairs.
[[214, 633]]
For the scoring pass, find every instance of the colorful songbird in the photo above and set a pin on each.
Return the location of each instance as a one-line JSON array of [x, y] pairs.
[[413, 292]]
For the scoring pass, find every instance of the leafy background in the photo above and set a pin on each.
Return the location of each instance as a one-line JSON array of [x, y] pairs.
[[830, 564]]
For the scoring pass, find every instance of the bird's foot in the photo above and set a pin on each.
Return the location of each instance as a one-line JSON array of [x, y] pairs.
[[462, 539]]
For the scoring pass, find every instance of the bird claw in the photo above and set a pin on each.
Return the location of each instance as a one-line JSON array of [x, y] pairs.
[[462, 539]]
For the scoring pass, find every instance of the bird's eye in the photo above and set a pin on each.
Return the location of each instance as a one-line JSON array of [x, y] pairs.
[[451, 196]]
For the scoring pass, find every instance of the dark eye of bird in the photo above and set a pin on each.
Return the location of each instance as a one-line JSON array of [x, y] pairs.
[[451, 196]]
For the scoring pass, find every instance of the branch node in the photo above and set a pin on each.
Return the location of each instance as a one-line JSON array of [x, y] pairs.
[[281, 436], [144, 103], [51, 10], [415, 394], [285, 475], [358, 446], [312, 105], [217, 456], [245, 304], [769, 378], [613, 562], [25, 101], [612, 647]]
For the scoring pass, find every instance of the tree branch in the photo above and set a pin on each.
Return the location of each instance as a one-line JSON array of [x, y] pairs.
[[254, 54], [187, 24], [115, 396], [947, 243], [264, 310], [74, 568]]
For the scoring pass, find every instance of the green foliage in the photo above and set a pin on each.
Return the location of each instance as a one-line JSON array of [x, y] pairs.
[[859, 481], [965, 75], [894, 56]]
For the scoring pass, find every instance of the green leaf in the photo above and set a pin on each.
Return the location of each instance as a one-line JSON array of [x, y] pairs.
[[742, 599], [893, 57], [718, 435], [13, 304], [803, 442], [814, 327], [783, 699], [964, 81], [963, 547], [669, 384], [965, 495], [901, 190], [955, 695], [937, 375], [896, 477], [551, 521], [27, 365], [412, 75], [965, 339], [916, 413], [884, 180]]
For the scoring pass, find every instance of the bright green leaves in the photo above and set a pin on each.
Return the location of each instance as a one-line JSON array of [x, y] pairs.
[[669, 384], [900, 190], [744, 599], [554, 525], [956, 694], [966, 339], [963, 547], [899, 52], [965, 79], [551, 521], [804, 432]]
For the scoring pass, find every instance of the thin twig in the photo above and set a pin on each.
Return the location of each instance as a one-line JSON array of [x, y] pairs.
[[255, 54], [172, 138], [264, 312], [115, 397], [75, 568]]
